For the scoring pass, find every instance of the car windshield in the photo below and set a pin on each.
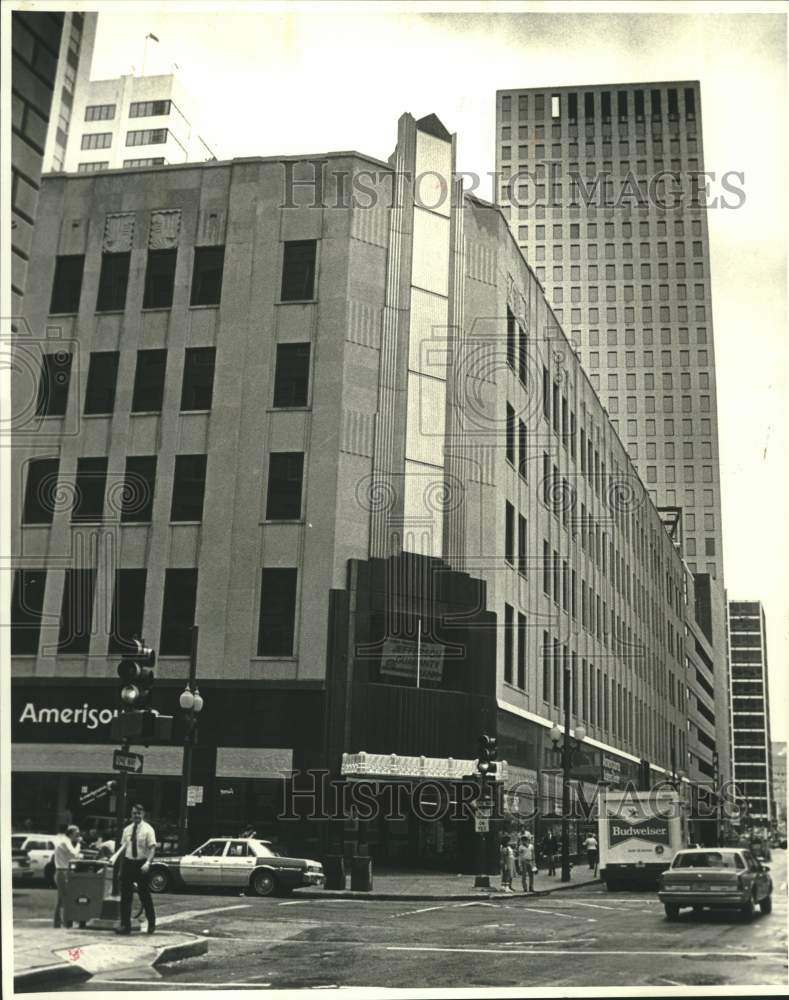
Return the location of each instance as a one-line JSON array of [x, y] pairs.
[[704, 859], [16, 842]]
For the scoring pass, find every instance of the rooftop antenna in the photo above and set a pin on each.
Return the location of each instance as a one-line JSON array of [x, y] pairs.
[[150, 36]]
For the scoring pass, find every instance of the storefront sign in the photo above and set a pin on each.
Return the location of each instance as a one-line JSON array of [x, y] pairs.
[[392, 765], [612, 770], [85, 716], [399, 659]]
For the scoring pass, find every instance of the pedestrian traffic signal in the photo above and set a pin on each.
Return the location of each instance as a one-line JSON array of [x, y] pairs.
[[486, 755], [136, 673]]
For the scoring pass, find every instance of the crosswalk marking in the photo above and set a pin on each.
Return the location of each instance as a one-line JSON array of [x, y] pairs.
[[726, 953]]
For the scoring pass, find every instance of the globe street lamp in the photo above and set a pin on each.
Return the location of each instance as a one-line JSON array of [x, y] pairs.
[[567, 749], [191, 702]]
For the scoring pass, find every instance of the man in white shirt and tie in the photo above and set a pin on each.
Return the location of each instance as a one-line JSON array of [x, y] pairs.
[[138, 846]]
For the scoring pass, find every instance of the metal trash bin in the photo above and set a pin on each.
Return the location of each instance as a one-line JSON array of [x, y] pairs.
[[362, 874], [85, 890], [334, 867]]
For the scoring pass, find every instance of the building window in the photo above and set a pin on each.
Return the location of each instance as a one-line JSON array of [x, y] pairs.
[[510, 434], [96, 140], [292, 375], [113, 282], [146, 137], [102, 381], [90, 487], [93, 167], [209, 265], [188, 488], [99, 112], [76, 611], [277, 624], [198, 385], [285, 474], [178, 612], [521, 651], [522, 544], [138, 489], [145, 161], [508, 644], [27, 602], [128, 604], [149, 381], [546, 667], [298, 270], [67, 286], [159, 279], [40, 491], [144, 109], [509, 533], [53, 385]]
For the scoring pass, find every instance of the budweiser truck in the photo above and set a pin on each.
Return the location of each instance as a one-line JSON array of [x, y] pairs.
[[638, 834]]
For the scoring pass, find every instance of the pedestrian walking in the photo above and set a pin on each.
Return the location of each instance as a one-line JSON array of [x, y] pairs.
[[67, 848], [526, 864], [549, 848], [138, 847], [592, 852], [507, 864]]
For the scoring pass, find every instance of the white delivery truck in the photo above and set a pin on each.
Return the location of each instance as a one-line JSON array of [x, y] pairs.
[[638, 835]]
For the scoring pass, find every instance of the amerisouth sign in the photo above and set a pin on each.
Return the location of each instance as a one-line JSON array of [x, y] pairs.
[[652, 829], [85, 715]]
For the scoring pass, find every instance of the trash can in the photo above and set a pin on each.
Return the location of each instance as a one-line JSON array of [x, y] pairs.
[[361, 873], [335, 871], [84, 891]]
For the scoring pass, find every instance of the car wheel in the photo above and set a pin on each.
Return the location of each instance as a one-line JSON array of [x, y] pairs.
[[766, 905], [49, 875], [263, 883], [672, 911], [159, 880]]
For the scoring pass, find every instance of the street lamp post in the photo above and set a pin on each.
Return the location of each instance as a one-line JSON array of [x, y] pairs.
[[191, 702], [568, 747]]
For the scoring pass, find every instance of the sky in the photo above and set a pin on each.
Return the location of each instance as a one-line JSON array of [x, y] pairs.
[[289, 80]]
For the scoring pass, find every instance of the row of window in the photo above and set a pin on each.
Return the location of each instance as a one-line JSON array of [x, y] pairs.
[[97, 166], [570, 149], [298, 278], [291, 380], [669, 449], [612, 251], [627, 314], [601, 104], [647, 338], [131, 498], [666, 379], [137, 109], [276, 623], [135, 137]]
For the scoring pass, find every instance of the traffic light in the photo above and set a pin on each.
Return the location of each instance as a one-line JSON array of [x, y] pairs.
[[136, 673], [486, 756]]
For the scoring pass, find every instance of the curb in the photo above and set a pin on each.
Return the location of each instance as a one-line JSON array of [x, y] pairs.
[[34, 980], [421, 897], [186, 949]]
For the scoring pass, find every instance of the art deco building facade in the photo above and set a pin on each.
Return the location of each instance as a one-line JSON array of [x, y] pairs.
[[750, 710], [600, 186], [334, 421]]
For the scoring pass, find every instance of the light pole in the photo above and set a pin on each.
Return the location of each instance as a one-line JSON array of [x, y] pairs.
[[191, 702], [568, 747]]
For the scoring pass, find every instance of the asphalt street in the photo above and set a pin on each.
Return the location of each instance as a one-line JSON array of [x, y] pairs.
[[584, 937]]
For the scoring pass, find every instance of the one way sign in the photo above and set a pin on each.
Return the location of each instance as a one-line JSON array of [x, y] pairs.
[[122, 760]]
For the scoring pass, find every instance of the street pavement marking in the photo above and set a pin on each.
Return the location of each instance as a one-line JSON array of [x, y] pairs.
[[172, 918], [597, 906], [180, 985], [557, 913], [424, 909], [306, 902], [726, 953]]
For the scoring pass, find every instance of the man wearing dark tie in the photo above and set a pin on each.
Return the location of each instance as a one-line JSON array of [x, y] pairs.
[[138, 846]]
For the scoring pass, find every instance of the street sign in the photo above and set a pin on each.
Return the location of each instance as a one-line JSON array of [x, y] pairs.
[[123, 760], [481, 824]]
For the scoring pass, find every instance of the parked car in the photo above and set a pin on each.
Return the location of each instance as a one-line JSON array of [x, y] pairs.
[[241, 863], [21, 870], [40, 849], [720, 878]]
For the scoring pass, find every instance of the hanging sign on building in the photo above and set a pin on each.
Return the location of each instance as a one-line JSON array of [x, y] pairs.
[[612, 770], [399, 659]]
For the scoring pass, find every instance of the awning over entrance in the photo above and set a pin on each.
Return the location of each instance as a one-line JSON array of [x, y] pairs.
[[392, 765]]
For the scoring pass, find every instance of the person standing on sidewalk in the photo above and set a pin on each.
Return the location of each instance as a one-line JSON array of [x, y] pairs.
[[591, 852], [526, 862], [507, 865], [66, 849], [138, 846], [549, 848]]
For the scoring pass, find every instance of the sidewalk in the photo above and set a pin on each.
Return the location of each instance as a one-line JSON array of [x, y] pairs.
[[46, 957], [430, 885]]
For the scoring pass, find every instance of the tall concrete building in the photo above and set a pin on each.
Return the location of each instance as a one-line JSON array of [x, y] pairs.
[[750, 709], [134, 121], [600, 186], [73, 73], [349, 440], [778, 757]]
